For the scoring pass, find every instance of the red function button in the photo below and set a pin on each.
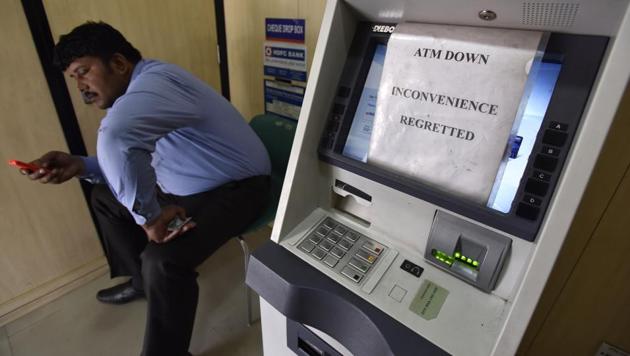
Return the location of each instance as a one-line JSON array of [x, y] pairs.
[[373, 247]]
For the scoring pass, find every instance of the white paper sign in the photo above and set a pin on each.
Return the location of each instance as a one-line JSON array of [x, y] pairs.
[[447, 103]]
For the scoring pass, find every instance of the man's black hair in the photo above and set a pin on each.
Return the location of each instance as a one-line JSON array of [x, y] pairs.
[[96, 39]]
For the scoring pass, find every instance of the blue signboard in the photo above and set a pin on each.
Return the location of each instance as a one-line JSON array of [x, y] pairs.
[[285, 30], [284, 73], [283, 99]]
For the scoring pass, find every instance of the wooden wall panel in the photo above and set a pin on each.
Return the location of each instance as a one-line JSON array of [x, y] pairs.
[[45, 231], [594, 305], [245, 32], [179, 32], [586, 298]]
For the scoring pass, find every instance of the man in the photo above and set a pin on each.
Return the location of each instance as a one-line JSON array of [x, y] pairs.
[[169, 146]]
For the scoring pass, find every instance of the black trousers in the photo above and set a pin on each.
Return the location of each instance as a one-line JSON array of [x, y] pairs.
[[167, 272]]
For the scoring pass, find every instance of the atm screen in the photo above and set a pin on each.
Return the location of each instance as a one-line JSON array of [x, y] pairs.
[[358, 140], [521, 145], [549, 115]]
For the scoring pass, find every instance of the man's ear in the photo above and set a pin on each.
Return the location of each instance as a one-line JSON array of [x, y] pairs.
[[120, 64]]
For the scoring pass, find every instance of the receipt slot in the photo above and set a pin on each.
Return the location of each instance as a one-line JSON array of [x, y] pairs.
[[366, 259]]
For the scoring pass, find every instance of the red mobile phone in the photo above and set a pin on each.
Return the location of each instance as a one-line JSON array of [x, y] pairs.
[[26, 166]]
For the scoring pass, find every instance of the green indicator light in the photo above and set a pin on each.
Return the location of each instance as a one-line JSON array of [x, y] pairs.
[[457, 254], [469, 260], [463, 258], [475, 263]]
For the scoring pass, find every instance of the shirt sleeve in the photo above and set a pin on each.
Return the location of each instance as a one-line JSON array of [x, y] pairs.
[[127, 138], [92, 172]]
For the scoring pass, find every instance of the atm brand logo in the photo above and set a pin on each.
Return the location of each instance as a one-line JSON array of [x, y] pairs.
[[383, 28]]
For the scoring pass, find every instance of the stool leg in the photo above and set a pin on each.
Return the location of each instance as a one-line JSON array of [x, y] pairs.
[[245, 249]]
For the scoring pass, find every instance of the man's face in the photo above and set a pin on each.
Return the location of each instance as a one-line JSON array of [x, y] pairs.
[[99, 83]]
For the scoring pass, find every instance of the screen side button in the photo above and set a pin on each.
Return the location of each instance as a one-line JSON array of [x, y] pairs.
[[343, 92], [536, 187], [338, 109], [546, 163], [527, 211], [556, 138]]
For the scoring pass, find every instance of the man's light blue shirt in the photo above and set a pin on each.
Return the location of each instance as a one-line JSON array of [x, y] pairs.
[[172, 130]]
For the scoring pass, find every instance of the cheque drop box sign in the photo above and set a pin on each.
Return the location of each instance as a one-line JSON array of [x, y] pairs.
[[447, 103]]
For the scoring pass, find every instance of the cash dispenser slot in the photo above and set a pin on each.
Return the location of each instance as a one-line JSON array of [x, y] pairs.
[[466, 250]]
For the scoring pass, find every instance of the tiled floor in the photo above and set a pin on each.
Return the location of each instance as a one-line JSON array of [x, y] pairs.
[[77, 324]]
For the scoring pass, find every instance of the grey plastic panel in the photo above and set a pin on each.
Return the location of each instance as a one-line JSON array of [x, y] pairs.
[[466, 250], [303, 294]]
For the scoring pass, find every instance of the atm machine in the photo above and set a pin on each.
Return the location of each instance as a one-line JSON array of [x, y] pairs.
[[366, 261]]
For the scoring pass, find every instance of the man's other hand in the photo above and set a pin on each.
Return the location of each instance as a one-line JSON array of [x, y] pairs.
[[157, 229], [59, 167]]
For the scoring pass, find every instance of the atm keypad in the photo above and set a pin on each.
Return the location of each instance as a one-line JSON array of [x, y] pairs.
[[334, 238], [361, 266], [352, 236], [342, 249], [352, 274], [314, 238], [373, 247], [331, 261], [345, 244], [307, 246], [337, 252], [366, 256], [326, 245], [340, 230]]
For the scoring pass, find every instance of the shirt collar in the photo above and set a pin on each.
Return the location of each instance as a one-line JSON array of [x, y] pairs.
[[138, 69]]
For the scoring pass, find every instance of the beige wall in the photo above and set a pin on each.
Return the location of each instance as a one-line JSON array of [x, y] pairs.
[[245, 28], [47, 237], [180, 32]]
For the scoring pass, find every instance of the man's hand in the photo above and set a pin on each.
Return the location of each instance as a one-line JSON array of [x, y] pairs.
[[157, 229], [60, 167]]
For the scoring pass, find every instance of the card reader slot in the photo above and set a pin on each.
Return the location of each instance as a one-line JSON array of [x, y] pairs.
[[352, 202]]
